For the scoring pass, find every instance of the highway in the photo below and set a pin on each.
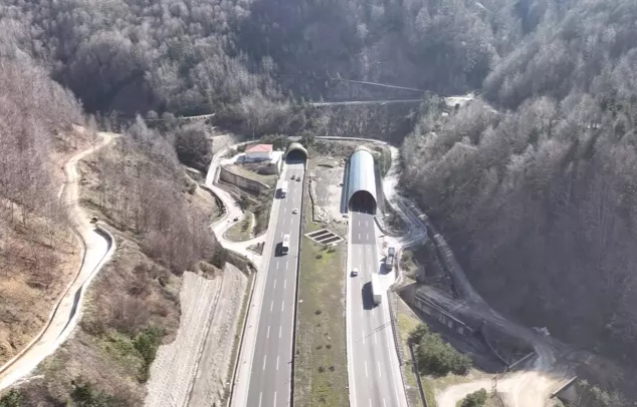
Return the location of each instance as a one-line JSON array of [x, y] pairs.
[[374, 380], [271, 373]]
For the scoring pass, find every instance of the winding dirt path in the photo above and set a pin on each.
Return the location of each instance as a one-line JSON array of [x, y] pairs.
[[98, 245]]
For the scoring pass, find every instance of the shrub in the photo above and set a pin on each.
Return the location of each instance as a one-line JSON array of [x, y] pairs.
[[418, 333], [475, 399], [146, 344], [193, 147], [14, 398], [85, 395], [436, 357]]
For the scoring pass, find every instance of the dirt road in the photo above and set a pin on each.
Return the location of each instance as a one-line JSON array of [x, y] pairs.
[[98, 246]]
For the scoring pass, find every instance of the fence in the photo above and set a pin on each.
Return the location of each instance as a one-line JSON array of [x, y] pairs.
[[421, 390]]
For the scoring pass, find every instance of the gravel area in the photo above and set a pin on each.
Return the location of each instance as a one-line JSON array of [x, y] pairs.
[[328, 177], [193, 369]]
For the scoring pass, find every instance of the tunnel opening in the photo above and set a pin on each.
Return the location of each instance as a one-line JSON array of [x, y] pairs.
[[296, 156], [362, 201]]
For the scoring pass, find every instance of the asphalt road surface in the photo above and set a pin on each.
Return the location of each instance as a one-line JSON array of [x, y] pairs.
[[271, 373], [373, 382]]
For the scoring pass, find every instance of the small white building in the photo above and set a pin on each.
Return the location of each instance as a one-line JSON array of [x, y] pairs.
[[259, 152]]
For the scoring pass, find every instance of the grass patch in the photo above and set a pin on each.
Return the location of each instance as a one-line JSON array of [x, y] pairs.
[[138, 351], [240, 231], [407, 322], [262, 212], [320, 374]]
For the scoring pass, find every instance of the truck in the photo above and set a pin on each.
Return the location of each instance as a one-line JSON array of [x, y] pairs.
[[376, 296], [283, 189], [389, 260], [285, 245]]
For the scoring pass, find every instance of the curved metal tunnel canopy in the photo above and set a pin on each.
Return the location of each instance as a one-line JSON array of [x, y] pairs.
[[361, 185], [296, 153]]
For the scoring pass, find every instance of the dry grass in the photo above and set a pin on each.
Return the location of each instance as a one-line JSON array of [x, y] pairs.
[[133, 294], [247, 171], [38, 259], [35, 269], [240, 231], [320, 374]]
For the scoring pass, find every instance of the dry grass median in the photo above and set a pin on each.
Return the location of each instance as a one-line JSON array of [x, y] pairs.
[[320, 375]]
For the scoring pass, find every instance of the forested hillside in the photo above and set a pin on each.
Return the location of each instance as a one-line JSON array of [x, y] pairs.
[[38, 251], [533, 182], [237, 58], [541, 199]]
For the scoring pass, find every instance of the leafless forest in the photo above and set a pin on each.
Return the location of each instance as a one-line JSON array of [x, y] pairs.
[[541, 198], [38, 251]]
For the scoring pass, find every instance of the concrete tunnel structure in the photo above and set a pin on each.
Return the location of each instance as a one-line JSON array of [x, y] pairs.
[[296, 152], [361, 181]]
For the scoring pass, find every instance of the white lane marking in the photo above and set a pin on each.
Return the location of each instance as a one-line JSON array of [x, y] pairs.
[[367, 236], [380, 374], [366, 375], [277, 362], [264, 359], [370, 402], [366, 223], [285, 209], [271, 305], [282, 305], [274, 399], [384, 404], [285, 283], [260, 397], [274, 284], [279, 331], [359, 236], [268, 331], [287, 264], [363, 338]]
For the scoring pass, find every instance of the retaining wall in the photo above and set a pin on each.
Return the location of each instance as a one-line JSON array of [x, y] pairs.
[[431, 309], [242, 182]]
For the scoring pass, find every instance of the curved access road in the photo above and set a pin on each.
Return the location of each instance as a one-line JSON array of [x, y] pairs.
[[98, 245], [261, 379]]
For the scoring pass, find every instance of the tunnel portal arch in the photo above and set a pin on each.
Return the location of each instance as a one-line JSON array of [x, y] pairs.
[[296, 153], [361, 184]]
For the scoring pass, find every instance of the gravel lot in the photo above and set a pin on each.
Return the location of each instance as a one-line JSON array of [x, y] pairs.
[[193, 368]]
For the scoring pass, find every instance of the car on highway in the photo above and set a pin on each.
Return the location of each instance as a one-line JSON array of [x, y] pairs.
[[354, 272], [298, 179], [292, 177], [295, 211]]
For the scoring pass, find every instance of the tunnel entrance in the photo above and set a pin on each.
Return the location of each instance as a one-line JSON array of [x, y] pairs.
[[296, 156], [362, 201], [296, 153]]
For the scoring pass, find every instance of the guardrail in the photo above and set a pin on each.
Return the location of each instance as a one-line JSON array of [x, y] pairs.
[[243, 332]]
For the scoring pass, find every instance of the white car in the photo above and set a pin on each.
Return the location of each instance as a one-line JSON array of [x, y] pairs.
[[295, 211], [354, 272]]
